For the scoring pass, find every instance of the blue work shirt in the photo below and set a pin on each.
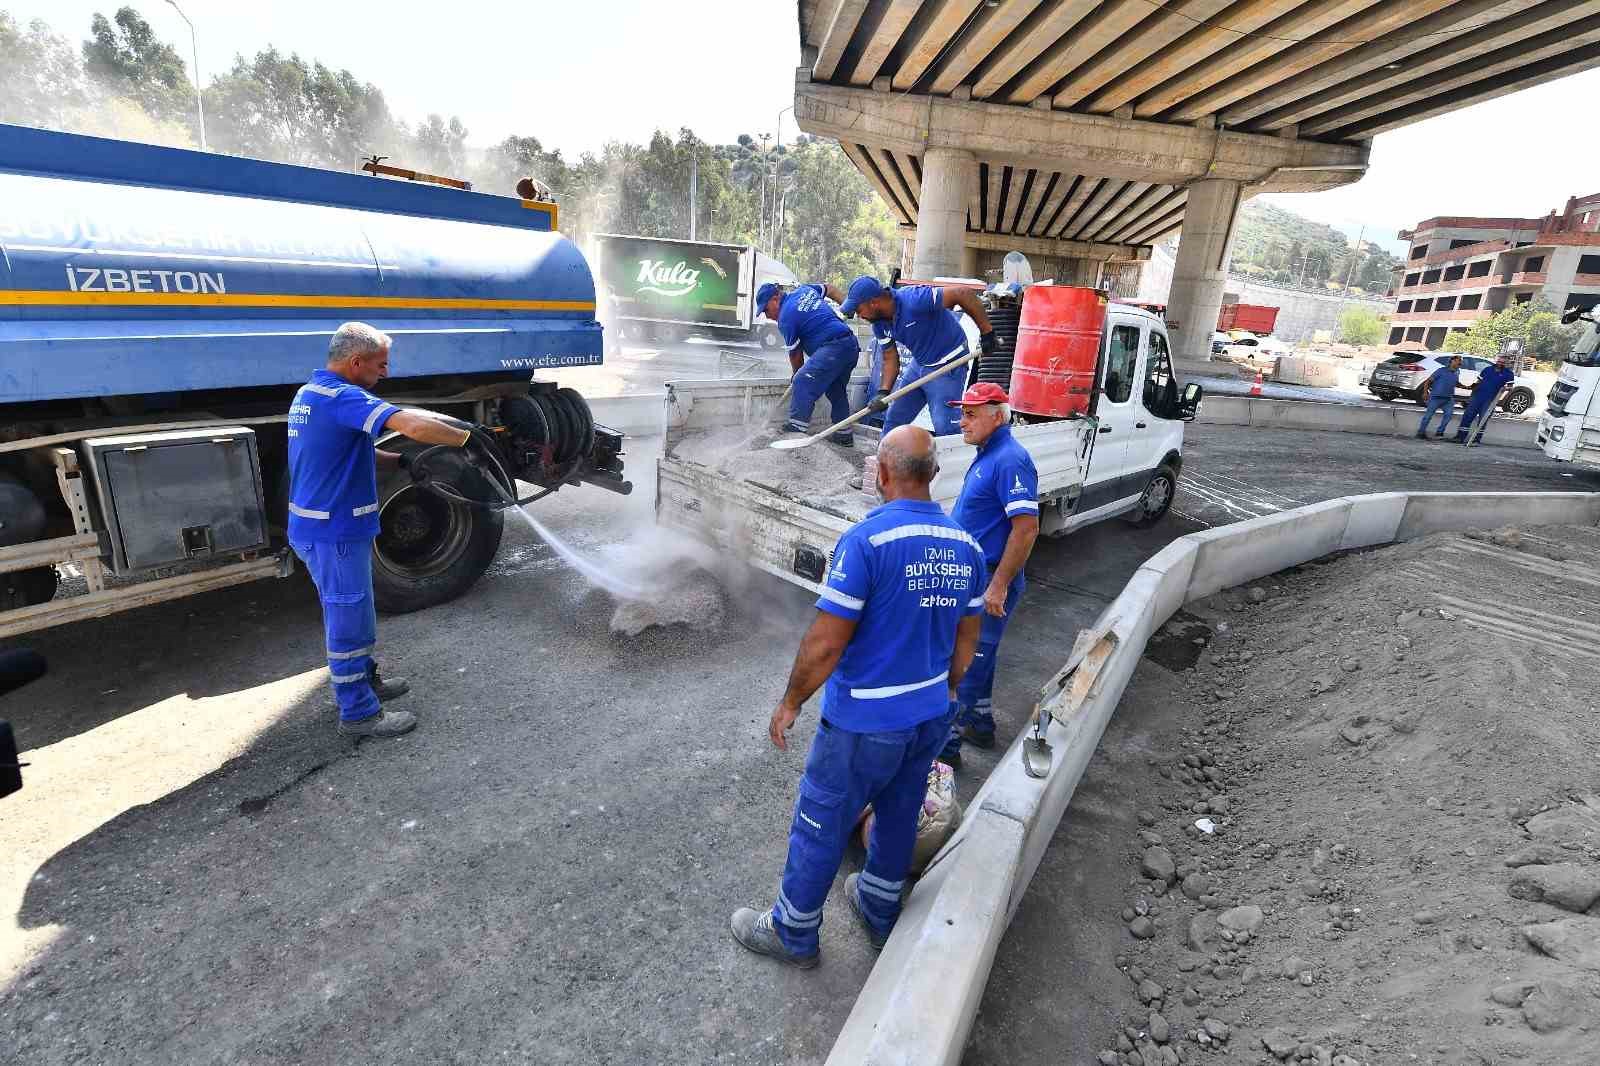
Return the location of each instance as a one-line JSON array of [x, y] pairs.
[[1000, 484], [807, 321], [906, 575], [333, 477], [1490, 381], [923, 326], [1444, 378]]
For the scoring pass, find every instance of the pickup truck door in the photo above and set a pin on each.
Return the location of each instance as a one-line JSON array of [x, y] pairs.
[[1154, 436], [1118, 410]]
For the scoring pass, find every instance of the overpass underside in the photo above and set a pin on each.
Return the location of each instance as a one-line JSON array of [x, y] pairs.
[[1081, 131]]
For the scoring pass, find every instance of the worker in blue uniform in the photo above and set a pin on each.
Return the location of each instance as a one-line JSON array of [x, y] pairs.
[[1441, 397], [333, 512], [999, 506], [896, 625], [822, 351], [918, 318], [1484, 392]]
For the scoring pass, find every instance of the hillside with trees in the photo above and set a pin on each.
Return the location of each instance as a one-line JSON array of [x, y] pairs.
[[803, 202], [1282, 248]]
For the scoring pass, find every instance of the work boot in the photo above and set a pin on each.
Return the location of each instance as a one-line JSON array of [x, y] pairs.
[[852, 892], [753, 930], [951, 755], [387, 689], [1421, 435], [978, 737], [382, 726], [791, 426]]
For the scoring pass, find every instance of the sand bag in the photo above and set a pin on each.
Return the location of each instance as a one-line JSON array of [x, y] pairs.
[[939, 818]]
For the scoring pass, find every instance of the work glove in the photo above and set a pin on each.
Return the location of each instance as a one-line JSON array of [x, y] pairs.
[[988, 342], [880, 402]]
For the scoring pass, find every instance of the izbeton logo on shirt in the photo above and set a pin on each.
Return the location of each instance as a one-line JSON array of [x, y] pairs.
[[938, 572]]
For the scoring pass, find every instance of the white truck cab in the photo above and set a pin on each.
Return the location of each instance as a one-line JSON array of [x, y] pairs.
[[1569, 429]]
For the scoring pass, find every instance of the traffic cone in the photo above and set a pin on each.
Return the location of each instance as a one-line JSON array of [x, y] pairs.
[[1255, 389]]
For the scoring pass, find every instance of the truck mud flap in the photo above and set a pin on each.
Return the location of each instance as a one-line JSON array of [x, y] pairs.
[[767, 529]]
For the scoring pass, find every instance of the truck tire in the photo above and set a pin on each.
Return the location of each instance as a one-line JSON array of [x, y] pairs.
[[431, 550], [1156, 500]]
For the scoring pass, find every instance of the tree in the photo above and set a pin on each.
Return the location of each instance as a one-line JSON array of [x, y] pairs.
[[124, 54], [440, 147], [1534, 322], [41, 80], [1362, 325]]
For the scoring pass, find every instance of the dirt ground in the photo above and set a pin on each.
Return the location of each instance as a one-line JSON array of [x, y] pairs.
[[1397, 749]]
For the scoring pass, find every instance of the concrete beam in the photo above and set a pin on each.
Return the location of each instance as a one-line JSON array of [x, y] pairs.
[[1111, 20], [1370, 25], [1027, 201], [1043, 29], [1016, 242], [910, 177], [991, 27], [1056, 189], [1156, 31], [881, 37], [941, 23], [1053, 140], [864, 161], [947, 175], [1161, 228], [836, 38], [991, 199], [1091, 209], [1073, 205], [1145, 201], [1165, 207]]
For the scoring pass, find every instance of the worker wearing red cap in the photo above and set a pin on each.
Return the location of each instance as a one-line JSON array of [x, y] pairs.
[[999, 506]]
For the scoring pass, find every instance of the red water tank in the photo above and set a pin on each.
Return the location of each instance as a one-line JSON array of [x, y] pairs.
[[1058, 345]]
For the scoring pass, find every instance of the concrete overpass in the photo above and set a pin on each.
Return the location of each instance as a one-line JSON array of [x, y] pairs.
[[1080, 131]]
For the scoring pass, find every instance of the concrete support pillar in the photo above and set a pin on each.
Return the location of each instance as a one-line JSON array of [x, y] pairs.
[[948, 175], [969, 257], [1201, 267]]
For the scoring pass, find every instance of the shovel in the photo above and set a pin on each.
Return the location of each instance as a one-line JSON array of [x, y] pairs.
[[1074, 684], [1036, 754], [788, 443]]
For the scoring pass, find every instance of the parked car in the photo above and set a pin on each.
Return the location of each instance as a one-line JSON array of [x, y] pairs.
[[1407, 373], [1220, 342], [1249, 347]]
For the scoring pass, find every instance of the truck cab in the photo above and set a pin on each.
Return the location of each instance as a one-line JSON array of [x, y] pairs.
[[1569, 429]]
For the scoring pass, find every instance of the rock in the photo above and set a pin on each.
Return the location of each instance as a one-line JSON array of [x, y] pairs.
[[1150, 992], [1567, 885], [1512, 993], [1245, 919], [1280, 1044], [1157, 864], [1219, 804], [1196, 885], [1538, 855], [1256, 594], [1353, 736], [1217, 1029], [1150, 839], [1169, 1057], [1295, 967], [1160, 1030], [1572, 940], [1146, 818], [1577, 823], [1190, 996], [1202, 930], [1345, 1060], [1108, 1058], [1427, 917], [1142, 928], [1554, 1006]]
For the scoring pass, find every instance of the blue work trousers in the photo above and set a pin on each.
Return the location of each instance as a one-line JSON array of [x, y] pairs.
[[342, 572], [935, 396], [1436, 402], [826, 372], [975, 693], [845, 771], [1477, 407]]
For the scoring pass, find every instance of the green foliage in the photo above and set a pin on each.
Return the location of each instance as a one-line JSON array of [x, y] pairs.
[[282, 108], [1535, 322], [1362, 325], [124, 54], [1287, 249], [40, 79]]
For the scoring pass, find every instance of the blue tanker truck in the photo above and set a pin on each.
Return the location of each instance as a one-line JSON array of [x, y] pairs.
[[158, 310]]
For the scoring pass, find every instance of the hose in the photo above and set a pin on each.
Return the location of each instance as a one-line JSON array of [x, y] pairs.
[[480, 443]]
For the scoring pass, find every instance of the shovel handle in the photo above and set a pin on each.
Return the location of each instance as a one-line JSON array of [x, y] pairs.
[[893, 396]]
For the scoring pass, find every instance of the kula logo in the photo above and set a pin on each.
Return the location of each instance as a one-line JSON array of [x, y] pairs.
[[657, 277]]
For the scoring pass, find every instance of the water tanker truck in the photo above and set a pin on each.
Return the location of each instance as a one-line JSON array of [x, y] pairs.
[[160, 307]]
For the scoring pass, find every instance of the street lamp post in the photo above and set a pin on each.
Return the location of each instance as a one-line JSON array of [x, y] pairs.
[[199, 95]]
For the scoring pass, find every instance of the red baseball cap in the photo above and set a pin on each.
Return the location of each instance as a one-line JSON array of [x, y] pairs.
[[981, 393]]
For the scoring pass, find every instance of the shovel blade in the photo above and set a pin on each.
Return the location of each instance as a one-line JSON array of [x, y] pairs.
[[785, 444], [1036, 757]]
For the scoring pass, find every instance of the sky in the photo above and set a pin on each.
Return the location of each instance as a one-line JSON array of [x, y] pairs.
[[578, 74]]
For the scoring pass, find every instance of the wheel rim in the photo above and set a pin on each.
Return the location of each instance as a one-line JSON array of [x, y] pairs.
[[1157, 495], [422, 533], [1518, 404]]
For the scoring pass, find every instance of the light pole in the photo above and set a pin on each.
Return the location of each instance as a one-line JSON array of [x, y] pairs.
[[199, 100], [777, 210]]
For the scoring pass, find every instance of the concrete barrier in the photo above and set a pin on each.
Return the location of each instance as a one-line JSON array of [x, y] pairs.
[[1392, 421], [920, 1000]]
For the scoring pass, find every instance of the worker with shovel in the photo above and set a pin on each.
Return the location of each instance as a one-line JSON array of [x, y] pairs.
[[999, 506], [919, 319], [896, 625], [822, 351]]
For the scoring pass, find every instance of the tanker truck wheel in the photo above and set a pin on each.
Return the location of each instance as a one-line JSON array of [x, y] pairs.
[[431, 550]]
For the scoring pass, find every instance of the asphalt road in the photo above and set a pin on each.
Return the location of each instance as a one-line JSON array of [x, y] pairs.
[[202, 870]]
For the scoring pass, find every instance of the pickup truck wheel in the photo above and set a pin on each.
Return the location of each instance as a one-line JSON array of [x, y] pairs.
[[431, 550], [24, 588], [1519, 401], [1156, 499]]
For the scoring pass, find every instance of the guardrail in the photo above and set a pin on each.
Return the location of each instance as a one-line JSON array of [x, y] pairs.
[[919, 1002], [1346, 418]]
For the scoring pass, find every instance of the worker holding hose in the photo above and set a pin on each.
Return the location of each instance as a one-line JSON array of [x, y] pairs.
[[895, 628], [822, 351], [333, 512], [918, 318], [999, 506]]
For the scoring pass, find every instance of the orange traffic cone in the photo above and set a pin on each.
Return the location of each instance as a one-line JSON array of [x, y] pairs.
[[1255, 389]]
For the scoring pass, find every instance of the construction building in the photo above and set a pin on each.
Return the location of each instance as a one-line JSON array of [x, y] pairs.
[[1461, 269]]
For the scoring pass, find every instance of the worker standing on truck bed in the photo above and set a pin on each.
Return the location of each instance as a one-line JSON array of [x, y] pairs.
[[896, 625], [822, 351], [918, 318], [333, 512], [999, 506]]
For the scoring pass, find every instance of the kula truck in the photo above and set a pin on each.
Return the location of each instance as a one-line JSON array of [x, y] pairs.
[[159, 308], [1094, 401]]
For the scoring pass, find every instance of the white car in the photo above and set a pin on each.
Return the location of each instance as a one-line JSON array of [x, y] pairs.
[[1256, 347], [1407, 374]]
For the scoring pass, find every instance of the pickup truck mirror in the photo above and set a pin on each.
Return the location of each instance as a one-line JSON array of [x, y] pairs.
[[1191, 400]]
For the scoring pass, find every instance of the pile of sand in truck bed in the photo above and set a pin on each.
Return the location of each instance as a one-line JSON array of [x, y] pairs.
[[1400, 750], [819, 474]]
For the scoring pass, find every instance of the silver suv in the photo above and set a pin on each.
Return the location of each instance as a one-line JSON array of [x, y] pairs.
[[1407, 374]]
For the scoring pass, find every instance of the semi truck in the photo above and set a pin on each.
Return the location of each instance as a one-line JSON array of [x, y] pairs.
[[1094, 401], [160, 307], [1569, 428], [659, 290]]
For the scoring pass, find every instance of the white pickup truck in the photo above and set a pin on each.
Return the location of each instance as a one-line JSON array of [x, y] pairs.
[[1122, 459]]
